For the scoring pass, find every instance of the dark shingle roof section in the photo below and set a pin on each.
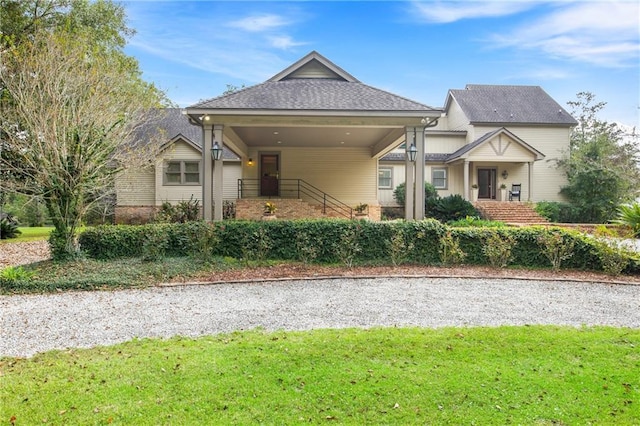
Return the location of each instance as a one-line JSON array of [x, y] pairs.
[[313, 95], [510, 105], [173, 124], [397, 156]]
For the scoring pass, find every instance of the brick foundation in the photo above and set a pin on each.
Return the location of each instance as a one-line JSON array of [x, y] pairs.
[[290, 209], [134, 215]]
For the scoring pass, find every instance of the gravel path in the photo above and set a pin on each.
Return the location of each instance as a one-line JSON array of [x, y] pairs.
[[35, 323]]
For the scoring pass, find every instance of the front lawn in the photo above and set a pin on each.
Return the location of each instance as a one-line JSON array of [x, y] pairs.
[[30, 234], [506, 375]]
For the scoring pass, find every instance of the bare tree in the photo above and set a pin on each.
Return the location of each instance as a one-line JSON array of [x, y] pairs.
[[70, 120]]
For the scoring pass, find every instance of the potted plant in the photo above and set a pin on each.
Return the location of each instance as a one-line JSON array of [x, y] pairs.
[[269, 212], [361, 210], [503, 192], [474, 192]]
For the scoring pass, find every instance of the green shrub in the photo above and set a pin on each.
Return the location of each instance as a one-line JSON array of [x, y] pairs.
[[450, 251], [9, 227], [14, 277], [497, 248], [348, 247], [629, 215], [452, 208], [557, 212], [184, 211], [399, 247], [556, 248], [155, 243], [426, 242], [476, 222]]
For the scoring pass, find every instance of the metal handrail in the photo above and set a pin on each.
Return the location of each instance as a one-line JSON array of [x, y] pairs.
[[299, 189]]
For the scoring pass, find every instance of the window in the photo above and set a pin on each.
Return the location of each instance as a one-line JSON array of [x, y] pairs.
[[182, 173], [439, 178], [385, 178]]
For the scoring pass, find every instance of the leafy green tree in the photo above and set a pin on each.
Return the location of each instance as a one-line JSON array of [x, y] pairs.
[[602, 166], [70, 120]]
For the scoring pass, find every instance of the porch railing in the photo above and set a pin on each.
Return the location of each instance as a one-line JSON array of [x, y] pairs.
[[298, 189]]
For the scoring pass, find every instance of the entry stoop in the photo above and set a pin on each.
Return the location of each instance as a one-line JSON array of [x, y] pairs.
[[515, 212]]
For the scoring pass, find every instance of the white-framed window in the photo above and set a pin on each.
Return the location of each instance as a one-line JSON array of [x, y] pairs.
[[182, 173], [439, 177], [385, 178]]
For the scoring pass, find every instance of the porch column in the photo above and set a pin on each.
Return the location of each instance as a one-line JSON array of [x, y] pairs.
[[467, 188], [217, 176], [409, 178], [530, 191], [207, 172], [420, 164]]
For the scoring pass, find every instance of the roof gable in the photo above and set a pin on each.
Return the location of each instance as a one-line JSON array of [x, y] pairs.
[[467, 150], [509, 105], [312, 84], [314, 65]]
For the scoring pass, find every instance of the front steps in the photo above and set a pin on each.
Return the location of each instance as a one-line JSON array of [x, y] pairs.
[[515, 212], [290, 209]]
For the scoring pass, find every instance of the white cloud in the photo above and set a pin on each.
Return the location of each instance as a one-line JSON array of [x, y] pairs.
[[259, 23], [452, 11], [284, 42], [601, 33]]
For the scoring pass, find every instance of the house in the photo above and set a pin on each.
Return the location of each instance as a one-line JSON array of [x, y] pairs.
[[488, 136], [313, 135]]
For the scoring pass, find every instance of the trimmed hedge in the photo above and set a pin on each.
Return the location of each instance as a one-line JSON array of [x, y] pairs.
[[278, 240]]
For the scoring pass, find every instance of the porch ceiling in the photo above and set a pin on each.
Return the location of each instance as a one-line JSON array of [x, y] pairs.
[[316, 136]]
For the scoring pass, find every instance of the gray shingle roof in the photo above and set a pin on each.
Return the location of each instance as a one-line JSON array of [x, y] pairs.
[[444, 158], [510, 105], [173, 123], [314, 94]]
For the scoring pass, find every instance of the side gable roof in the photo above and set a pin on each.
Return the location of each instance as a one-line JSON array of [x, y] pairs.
[[509, 105], [314, 84]]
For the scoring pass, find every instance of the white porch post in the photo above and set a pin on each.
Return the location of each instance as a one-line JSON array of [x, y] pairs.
[[217, 176], [530, 191], [409, 179], [467, 188], [207, 173], [419, 197]]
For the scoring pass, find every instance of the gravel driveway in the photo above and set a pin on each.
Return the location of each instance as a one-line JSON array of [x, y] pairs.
[[36, 323]]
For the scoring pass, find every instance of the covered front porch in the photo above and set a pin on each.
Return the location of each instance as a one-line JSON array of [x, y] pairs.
[[498, 166], [312, 126]]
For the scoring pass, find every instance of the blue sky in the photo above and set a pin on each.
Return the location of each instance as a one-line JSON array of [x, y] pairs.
[[417, 49]]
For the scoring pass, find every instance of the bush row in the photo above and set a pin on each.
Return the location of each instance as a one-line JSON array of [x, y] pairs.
[[361, 242]]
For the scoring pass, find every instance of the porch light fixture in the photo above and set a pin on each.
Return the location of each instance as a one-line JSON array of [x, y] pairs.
[[250, 162], [216, 151], [412, 152], [505, 174]]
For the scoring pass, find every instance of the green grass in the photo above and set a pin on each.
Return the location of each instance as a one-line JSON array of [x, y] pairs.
[[507, 375], [30, 234]]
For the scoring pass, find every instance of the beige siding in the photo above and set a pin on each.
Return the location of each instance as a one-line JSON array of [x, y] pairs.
[[441, 144], [553, 142], [176, 193], [502, 148], [348, 174], [136, 187], [457, 120], [385, 196]]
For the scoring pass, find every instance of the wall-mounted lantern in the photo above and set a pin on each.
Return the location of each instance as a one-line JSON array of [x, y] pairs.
[[216, 151]]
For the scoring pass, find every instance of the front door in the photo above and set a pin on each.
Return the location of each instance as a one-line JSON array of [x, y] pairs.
[[269, 175], [487, 184]]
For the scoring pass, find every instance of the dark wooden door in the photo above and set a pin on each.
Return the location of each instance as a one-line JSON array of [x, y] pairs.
[[487, 184], [269, 175]]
